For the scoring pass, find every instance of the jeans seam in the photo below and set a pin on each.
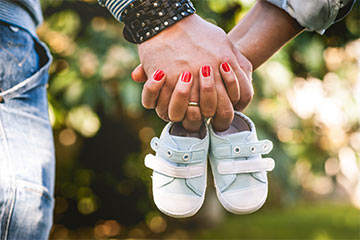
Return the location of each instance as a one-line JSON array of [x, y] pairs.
[[12, 189]]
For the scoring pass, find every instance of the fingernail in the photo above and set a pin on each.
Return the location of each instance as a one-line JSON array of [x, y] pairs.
[[158, 75], [186, 77], [205, 71], [132, 76], [226, 67]]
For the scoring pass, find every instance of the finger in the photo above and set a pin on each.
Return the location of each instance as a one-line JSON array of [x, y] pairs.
[[231, 82], [208, 95], [180, 97], [244, 75], [152, 89], [193, 120], [162, 104], [224, 112], [138, 74]]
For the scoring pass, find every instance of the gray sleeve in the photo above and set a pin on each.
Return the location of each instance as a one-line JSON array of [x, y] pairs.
[[315, 15]]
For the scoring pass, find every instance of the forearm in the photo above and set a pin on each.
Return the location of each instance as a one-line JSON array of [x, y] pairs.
[[263, 31]]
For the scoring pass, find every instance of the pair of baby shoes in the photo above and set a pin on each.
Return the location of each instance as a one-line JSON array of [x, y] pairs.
[[180, 168]]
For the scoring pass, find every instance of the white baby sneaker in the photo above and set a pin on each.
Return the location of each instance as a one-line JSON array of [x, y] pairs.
[[239, 170], [180, 166]]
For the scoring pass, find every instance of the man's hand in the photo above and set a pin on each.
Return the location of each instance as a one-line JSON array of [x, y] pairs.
[[185, 47]]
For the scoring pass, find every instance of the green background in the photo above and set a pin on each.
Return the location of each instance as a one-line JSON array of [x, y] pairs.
[[307, 101]]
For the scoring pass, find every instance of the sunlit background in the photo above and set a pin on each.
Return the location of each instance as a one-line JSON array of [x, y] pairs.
[[307, 101]]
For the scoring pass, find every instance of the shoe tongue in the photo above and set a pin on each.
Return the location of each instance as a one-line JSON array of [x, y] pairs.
[[184, 143], [238, 137]]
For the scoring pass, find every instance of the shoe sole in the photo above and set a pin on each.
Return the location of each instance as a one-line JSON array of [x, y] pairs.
[[241, 211], [192, 212]]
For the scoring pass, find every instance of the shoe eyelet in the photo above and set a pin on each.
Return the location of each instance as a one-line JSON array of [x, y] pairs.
[[156, 145], [186, 157], [169, 153], [237, 149], [265, 146], [252, 149]]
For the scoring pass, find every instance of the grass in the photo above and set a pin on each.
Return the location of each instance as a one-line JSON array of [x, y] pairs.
[[318, 221]]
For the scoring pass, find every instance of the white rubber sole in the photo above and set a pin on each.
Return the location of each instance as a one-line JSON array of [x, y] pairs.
[[193, 211], [240, 211]]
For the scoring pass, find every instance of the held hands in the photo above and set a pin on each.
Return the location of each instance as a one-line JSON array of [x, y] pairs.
[[172, 60]]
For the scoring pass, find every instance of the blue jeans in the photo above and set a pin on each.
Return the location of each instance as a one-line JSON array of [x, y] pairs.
[[26, 142]]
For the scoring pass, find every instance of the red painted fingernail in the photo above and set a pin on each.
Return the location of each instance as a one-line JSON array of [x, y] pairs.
[[186, 77], [205, 71], [133, 76], [226, 67], [158, 75]]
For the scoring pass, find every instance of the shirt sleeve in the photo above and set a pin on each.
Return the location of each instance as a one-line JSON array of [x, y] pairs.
[[315, 15], [116, 7]]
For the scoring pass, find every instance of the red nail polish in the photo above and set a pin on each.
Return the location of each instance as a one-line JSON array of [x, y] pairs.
[[205, 71], [186, 77], [226, 67], [158, 75]]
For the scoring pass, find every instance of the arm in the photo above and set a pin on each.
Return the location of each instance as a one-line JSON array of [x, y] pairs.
[[271, 24], [263, 31]]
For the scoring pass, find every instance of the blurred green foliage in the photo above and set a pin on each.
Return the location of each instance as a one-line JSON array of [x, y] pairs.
[[307, 101]]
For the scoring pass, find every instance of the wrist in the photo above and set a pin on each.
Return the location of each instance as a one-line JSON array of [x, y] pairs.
[[145, 19]]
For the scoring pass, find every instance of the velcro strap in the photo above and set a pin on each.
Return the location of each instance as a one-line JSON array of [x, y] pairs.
[[246, 166], [177, 156], [243, 149], [162, 166]]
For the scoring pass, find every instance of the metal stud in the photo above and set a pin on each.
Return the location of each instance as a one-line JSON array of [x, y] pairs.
[[131, 5], [189, 10], [141, 38], [175, 18], [137, 14], [252, 149], [161, 14], [166, 23], [183, 13], [143, 24], [148, 34], [125, 11], [177, 4], [155, 4], [186, 157], [156, 28]]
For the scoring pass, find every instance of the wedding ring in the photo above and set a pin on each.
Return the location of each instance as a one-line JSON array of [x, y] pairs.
[[194, 104]]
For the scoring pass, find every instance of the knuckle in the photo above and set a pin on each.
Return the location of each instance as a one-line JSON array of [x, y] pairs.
[[181, 92], [207, 88], [175, 117], [246, 65], [150, 89], [208, 113], [193, 115], [235, 98], [162, 114], [226, 113], [247, 98]]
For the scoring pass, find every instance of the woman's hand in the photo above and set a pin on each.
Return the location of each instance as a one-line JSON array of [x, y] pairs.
[[182, 91]]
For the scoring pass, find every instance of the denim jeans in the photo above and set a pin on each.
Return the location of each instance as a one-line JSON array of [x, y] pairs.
[[26, 142]]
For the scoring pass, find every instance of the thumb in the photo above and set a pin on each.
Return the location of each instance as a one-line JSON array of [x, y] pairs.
[[138, 74]]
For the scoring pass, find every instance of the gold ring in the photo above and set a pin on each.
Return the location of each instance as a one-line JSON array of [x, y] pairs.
[[193, 104]]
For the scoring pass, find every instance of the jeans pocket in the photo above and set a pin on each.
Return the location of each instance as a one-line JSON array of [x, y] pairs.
[[18, 56], [37, 78]]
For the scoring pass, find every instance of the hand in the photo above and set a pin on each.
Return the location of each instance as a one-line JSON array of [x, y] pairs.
[[182, 90], [183, 48]]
